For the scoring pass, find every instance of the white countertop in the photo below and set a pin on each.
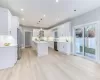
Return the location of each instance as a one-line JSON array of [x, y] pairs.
[[7, 46], [40, 41]]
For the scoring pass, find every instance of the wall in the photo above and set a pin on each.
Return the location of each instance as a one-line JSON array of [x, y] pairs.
[[23, 30], [88, 17]]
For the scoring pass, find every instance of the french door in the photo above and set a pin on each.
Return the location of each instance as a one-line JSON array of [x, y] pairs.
[[90, 41], [79, 41], [85, 38]]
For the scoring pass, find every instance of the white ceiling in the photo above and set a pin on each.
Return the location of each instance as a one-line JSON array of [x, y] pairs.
[[55, 12]]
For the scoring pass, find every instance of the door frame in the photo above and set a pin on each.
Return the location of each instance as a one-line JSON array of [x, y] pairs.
[[24, 36], [97, 40]]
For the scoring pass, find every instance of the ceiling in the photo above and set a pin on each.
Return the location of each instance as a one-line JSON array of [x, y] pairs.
[[48, 12]]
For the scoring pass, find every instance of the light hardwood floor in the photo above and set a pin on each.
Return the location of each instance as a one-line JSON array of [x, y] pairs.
[[55, 66]]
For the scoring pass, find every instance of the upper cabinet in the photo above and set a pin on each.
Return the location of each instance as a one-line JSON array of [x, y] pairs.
[[64, 30], [14, 26], [5, 21]]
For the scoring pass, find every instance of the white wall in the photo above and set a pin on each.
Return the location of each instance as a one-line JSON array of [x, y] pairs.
[[23, 30]]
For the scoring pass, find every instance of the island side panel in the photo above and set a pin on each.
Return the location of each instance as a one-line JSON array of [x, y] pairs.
[[42, 49]]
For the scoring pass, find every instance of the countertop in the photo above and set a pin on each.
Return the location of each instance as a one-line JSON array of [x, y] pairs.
[[8, 46], [40, 41]]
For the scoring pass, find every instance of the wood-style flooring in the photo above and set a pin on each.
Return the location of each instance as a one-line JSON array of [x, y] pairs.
[[55, 66]]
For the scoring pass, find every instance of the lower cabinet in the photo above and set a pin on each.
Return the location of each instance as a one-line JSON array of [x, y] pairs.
[[64, 47], [64, 33], [8, 56]]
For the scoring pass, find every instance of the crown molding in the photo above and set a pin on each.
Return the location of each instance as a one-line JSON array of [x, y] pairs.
[[32, 27]]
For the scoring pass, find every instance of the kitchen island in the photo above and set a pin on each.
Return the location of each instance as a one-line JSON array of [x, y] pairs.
[[41, 48], [8, 56]]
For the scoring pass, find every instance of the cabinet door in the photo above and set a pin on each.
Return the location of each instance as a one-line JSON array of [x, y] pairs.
[[59, 32], [67, 29], [3, 22], [9, 22], [67, 33], [14, 26]]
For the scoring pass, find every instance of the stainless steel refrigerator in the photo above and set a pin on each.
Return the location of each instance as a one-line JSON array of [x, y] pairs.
[[19, 42]]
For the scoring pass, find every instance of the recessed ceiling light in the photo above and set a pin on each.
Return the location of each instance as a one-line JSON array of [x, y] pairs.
[[57, 1], [44, 15], [75, 10], [23, 19], [22, 9]]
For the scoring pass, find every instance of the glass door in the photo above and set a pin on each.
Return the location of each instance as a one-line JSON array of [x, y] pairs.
[[90, 41], [86, 40], [79, 41]]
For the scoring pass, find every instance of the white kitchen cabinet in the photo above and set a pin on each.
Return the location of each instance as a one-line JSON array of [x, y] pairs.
[[64, 31], [8, 56], [5, 21], [14, 26], [61, 31], [8, 23]]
